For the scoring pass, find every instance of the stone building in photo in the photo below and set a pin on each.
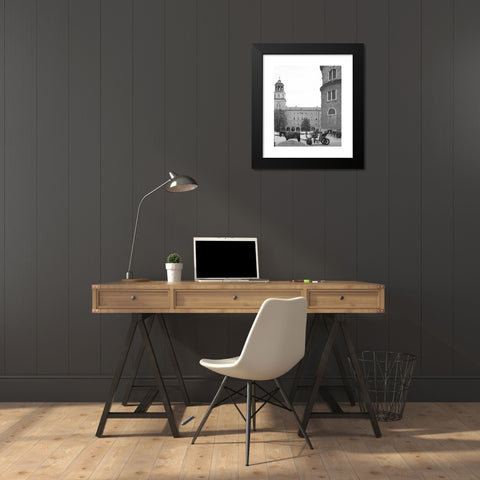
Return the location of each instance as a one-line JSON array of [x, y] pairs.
[[294, 116], [331, 91]]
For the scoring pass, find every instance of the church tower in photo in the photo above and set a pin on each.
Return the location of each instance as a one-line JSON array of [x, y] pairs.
[[280, 100], [295, 116]]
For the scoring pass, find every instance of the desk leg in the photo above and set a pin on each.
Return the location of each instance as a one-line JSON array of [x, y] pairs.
[[173, 357], [158, 377], [365, 398], [116, 378], [131, 385], [338, 357], [301, 365], [322, 366], [139, 321], [361, 382], [341, 365], [149, 318]]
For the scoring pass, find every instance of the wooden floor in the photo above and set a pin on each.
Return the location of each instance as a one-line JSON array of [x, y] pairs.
[[57, 441]]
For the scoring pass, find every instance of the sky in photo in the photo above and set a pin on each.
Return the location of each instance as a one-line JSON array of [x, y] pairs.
[[301, 83]]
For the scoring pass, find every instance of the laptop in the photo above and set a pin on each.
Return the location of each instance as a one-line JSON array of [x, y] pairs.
[[226, 259]]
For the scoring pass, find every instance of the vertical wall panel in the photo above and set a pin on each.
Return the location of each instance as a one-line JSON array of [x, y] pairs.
[[404, 177], [372, 214], [52, 187], [149, 169], [437, 186], [181, 140], [84, 184], [244, 183], [149, 135], [212, 90], [182, 117], [340, 191], [20, 186], [212, 117], [116, 163], [466, 175], [309, 186], [341, 185], [2, 188], [276, 239]]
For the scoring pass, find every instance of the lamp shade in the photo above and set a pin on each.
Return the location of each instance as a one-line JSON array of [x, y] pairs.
[[181, 183]]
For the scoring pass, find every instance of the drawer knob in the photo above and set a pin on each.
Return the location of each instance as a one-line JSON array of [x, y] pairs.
[[341, 297], [235, 297], [133, 297]]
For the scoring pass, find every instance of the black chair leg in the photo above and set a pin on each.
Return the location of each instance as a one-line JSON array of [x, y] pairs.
[[254, 408], [248, 421], [250, 414], [290, 406], [210, 408]]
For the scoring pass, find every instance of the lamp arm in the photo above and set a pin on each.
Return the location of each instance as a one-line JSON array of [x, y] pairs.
[[129, 273]]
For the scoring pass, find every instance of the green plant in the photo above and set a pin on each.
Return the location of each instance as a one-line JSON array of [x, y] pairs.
[[174, 258]]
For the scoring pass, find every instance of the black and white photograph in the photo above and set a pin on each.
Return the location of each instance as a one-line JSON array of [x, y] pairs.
[[307, 106], [311, 113]]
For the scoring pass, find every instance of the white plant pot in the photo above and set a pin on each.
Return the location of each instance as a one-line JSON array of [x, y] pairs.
[[174, 272]]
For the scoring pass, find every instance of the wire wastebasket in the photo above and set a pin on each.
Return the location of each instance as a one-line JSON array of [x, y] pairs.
[[387, 376]]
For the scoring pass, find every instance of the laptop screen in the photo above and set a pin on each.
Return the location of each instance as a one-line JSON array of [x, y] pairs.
[[224, 258]]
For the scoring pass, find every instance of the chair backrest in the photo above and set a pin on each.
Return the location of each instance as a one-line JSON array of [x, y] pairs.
[[276, 341]]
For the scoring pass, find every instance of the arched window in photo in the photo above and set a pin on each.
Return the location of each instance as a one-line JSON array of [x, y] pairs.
[[332, 111]]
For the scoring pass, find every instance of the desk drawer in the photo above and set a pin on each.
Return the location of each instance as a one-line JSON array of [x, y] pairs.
[[132, 299], [221, 299], [340, 299]]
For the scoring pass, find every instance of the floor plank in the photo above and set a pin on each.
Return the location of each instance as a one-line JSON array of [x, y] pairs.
[[226, 449], [48, 441]]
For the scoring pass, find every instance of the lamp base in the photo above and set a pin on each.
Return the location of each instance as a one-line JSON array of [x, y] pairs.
[[135, 280]]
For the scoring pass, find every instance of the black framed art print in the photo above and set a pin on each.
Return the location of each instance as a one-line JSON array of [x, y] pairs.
[[307, 106]]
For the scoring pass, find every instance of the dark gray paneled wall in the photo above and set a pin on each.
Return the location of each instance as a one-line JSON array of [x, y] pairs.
[[100, 98]]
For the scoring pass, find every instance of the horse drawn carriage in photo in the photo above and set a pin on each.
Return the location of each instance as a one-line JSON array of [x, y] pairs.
[[290, 134], [318, 136]]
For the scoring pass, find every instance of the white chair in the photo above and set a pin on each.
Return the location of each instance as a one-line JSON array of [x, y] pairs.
[[275, 344]]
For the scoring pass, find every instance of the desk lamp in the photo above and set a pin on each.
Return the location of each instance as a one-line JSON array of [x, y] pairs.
[[176, 183]]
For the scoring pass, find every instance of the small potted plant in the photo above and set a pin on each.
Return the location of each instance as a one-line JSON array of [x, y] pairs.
[[174, 268]]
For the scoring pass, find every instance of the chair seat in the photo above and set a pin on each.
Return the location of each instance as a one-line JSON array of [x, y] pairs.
[[232, 368], [212, 364]]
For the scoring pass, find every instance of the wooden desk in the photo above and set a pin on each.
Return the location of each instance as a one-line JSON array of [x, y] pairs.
[[234, 297], [149, 298]]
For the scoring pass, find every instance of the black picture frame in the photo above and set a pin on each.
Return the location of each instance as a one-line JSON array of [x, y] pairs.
[[346, 147]]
